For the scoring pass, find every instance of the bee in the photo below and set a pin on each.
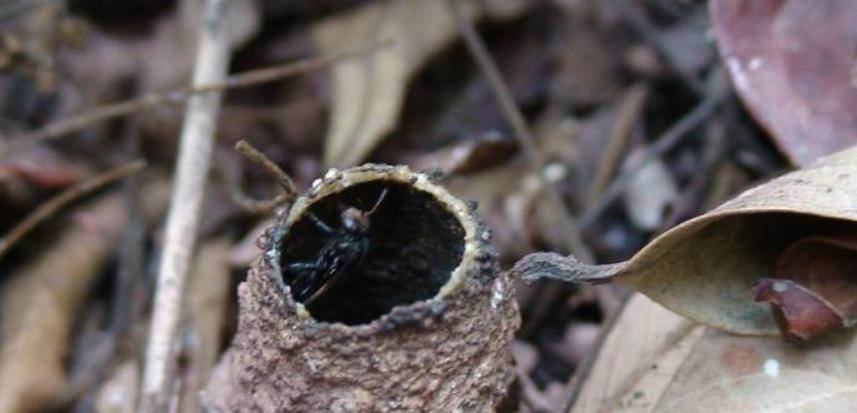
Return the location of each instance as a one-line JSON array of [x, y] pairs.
[[346, 248]]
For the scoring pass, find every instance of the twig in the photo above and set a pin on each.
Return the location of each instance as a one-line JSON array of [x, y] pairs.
[[49, 208], [249, 78], [628, 112], [260, 159], [192, 167], [516, 119], [262, 206], [662, 144]]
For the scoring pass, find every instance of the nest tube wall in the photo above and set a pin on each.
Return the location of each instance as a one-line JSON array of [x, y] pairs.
[[423, 323]]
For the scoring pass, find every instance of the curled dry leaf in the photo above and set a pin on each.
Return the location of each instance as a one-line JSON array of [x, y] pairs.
[[800, 313], [368, 94], [815, 291], [791, 63], [677, 366], [792, 227]]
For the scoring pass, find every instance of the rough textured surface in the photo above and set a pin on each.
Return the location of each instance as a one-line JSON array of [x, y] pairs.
[[447, 353]]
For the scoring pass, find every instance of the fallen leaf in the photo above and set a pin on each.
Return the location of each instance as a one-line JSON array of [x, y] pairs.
[[368, 94], [677, 366], [651, 191], [707, 267], [826, 265], [814, 291], [632, 378], [790, 62], [800, 313], [40, 301], [730, 373]]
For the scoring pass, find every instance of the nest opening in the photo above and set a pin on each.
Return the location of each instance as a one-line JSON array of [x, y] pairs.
[[414, 245]]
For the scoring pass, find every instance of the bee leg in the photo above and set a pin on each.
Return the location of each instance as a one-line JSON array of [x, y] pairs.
[[302, 267], [320, 224], [305, 278]]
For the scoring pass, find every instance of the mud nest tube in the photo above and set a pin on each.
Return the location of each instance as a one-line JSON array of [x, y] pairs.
[[423, 323], [414, 246]]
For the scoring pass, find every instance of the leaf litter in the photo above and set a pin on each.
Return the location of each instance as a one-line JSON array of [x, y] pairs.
[[577, 69]]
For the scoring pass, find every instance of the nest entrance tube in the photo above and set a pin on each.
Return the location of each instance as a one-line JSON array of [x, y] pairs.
[[423, 323], [414, 245]]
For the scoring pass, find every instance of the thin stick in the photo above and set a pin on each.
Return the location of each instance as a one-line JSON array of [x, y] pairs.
[[49, 208], [249, 78], [513, 115], [267, 205], [268, 165], [628, 112], [662, 144], [192, 167]]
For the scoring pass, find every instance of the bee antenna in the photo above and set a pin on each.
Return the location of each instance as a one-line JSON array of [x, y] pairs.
[[378, 202]]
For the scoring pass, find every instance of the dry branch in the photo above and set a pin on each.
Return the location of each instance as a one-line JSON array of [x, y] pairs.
[[49, 208], [250, 78], [194, 160]]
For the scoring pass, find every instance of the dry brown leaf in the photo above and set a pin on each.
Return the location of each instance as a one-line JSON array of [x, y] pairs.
[[368, 94], [800, 313], [791, 62], [40, 301], [814, 291], [631, 378], [731, 373], [676, 366], [651, 191], [707, 267]]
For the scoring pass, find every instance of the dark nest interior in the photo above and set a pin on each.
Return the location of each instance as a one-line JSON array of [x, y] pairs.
[[414, 244]]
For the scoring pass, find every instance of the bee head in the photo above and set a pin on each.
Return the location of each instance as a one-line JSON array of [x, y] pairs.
[[355, 221]]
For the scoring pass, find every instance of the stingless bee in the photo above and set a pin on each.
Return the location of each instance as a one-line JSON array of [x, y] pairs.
[[345, 249]]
